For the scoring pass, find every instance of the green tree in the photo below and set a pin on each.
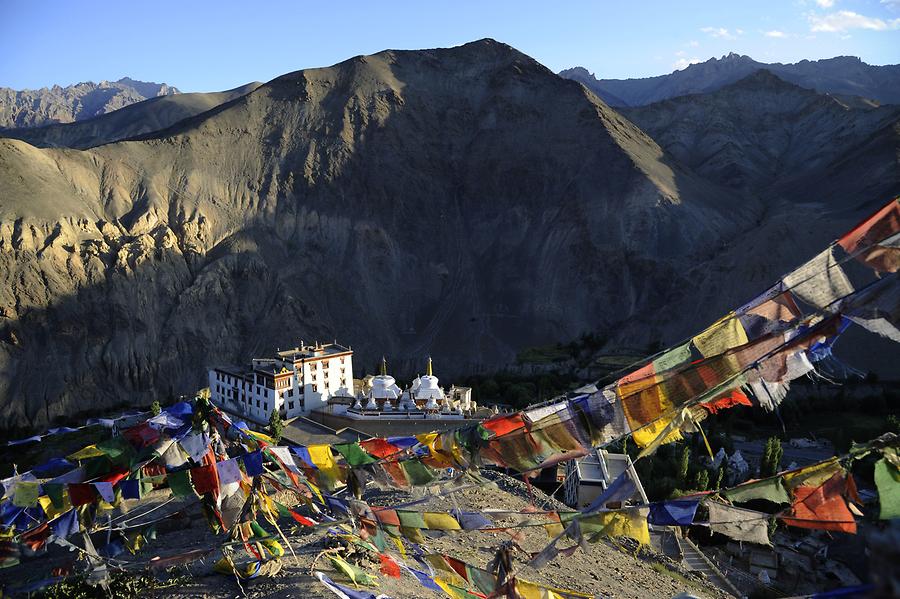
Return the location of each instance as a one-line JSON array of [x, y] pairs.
[[684, 465], [720, 477], [771, 461], [276, 426], [701, 479], [155, 408]]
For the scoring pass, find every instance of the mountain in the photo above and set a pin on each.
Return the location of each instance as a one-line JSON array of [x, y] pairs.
[[463, 203], [763, 134], [141, 118], [841, 76], [36, 107]]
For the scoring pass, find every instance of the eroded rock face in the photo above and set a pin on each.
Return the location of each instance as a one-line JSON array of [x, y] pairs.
[[36, 107], [463, 203]]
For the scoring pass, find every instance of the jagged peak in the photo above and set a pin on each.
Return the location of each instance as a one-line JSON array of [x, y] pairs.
[[764, 78]]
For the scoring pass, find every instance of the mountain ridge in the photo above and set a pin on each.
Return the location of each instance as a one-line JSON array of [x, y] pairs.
[[842, 75], [463, 203], [76, 102], [325, 204]]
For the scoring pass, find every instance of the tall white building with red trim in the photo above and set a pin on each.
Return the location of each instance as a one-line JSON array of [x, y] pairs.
[[295, 382]]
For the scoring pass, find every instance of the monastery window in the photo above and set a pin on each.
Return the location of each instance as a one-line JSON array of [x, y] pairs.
[[257, 403], [291, 405]]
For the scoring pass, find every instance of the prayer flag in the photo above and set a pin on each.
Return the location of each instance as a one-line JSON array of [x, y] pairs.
[[440, 521], [131, 488], [180, 483], [887, 480], [81, 494], [874, 241], [253, 463], [26, 493], [105, 490], [205, 479], [770, 489], [676, 512], [819, 282], [354, 454], [739, 524], [66, 525], [344, 592]]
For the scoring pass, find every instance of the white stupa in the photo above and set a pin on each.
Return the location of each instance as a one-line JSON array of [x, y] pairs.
[[426, 387], [384, 388]]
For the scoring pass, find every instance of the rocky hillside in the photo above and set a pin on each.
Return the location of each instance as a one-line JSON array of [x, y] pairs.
[[763, 132], [842, 76], [464, 203], [36, 107], [142, 118]]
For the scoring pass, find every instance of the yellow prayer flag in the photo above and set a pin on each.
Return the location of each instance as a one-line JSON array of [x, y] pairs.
[[444, 570], [529, 590], [321, 456], [813, 476], [51, 511], [630, 522], [722, 335], [440, 521], [90, 451], [648, 434]]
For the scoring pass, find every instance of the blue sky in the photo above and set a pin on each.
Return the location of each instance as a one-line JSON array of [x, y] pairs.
[[201, 45]]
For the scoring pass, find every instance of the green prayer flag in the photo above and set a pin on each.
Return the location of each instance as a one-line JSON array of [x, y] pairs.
[[96, 467], [483, 580], [55, 491], [411, 519], [417, 472], [283, 510], [354, 454], [887, 480], [412, 534], [118, 450], [770, 489], [352, 572], [180, 483], [26, 493], [672, 358]]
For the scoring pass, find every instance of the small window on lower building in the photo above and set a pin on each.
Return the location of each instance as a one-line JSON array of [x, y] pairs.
[[257, 403], [266, 407], [291, 406]]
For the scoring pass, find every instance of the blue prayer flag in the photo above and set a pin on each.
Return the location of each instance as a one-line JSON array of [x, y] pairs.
[[131, 488], [678, 512], [253, 463], [66, 525]]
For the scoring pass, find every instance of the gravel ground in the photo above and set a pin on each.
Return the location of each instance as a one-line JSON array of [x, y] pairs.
[[607, 570]]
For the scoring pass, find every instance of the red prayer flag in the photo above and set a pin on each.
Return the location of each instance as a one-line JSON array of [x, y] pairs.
[[380, 448], [863, 239], [504, 424], [388, 566], [301, 519], [823, 507], [735, 398], [82, 494], [205, 479]]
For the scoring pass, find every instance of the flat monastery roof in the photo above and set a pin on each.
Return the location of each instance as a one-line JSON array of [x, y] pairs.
[[309, 351]]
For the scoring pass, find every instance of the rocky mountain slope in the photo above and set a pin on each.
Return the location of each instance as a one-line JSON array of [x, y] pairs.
[[137, 119], [842, 76], [464, 203], [36, 107], [762, 132]]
